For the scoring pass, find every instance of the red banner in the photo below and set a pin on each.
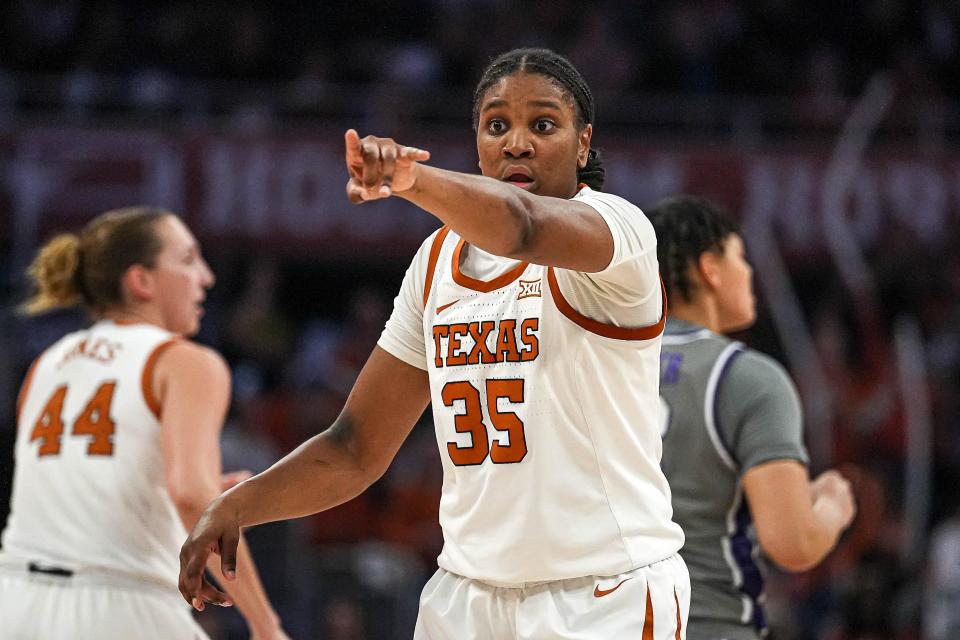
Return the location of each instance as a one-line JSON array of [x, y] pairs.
[[289, 189]]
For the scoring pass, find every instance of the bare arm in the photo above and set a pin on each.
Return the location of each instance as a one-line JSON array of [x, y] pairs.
[[798, 522], [493, 215], [192, 384], [329, 469]]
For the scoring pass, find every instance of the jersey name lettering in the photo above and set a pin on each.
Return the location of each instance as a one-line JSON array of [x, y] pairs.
[[486, 342], [100, 350]]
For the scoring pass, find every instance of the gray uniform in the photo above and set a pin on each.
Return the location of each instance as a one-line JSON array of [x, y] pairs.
[[726, 409]]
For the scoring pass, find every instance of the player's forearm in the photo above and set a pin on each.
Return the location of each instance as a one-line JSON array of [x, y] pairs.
[[812, 539], [487, 213], [319, 474], [247, 593]]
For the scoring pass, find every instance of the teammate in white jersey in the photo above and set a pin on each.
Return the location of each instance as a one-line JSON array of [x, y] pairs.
[[532, 320], [117, 442]]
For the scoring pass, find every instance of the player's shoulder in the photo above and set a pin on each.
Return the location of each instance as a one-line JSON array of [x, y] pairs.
[[612, 200], [757, 371], [686, 336], [180, 355], [619, 213]]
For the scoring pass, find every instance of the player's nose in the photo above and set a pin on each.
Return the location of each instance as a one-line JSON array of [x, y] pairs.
[[517, 144]]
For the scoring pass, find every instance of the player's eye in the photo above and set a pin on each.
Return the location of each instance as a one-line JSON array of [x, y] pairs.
[[496, 126], [543, 125]]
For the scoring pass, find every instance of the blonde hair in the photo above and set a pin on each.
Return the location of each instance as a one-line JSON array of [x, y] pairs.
[[54, 270], [88, 268]]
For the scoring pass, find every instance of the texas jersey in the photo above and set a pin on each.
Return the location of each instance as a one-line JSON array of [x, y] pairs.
[[545, 417], [726, 409], [89, 488]]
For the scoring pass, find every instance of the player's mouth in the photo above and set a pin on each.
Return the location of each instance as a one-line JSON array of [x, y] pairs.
[[518, 177]]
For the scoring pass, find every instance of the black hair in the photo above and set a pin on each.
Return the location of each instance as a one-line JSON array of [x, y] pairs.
[[687, 227], [561, 72]]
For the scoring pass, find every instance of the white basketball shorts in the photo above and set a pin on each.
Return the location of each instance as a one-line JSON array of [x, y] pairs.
[[43, 607], [649, 603]]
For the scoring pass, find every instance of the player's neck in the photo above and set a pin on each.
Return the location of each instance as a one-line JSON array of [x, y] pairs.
[[134, 315], [700, 313]]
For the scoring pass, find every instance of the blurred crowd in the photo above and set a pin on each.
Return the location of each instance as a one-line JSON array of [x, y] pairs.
[[344, 56], [296, 330], [684, 46]]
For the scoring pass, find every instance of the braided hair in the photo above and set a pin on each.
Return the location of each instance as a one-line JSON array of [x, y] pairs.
[[687, 227], [565, 76]]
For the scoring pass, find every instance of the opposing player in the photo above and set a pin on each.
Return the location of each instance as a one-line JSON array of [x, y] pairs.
[[524, 320], [733, 443], [118, 442]]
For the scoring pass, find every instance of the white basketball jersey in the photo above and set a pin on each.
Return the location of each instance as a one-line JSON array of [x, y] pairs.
[[89, 488], [546, 422]]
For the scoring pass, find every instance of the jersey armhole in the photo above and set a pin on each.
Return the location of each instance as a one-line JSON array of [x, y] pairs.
[[435, 248], [146, 378], [25, 387], [600, 328]]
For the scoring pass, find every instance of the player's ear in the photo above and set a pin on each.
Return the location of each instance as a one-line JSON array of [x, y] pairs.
[[138, 284], [708, 268], [583, 145]]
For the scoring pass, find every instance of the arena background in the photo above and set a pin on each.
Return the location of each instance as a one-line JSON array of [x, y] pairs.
[[830, 129]]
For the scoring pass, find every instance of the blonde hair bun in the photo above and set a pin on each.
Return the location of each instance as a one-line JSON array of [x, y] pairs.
[[54, 272]]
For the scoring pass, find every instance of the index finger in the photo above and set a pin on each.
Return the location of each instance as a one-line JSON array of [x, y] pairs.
[[193, 560], [412, 153], [351, 140]]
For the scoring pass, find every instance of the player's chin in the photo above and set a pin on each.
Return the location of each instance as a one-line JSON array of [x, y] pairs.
[[743, 321], [188, 327]]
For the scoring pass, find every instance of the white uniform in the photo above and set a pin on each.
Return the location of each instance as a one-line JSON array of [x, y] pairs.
[[91, 545], [545, 403]]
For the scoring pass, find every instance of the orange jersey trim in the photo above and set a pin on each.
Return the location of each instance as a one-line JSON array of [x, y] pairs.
[[600, 328], [648, 618], [432, 262], [483, 286], [25, 387], [679, 620], [146, 378]]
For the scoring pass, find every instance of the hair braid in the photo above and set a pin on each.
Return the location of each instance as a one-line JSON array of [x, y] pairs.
[[687, 227]]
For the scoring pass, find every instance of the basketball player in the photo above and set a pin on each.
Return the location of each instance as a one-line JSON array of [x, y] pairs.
[[732, 445], [523, 319], [117, 442]]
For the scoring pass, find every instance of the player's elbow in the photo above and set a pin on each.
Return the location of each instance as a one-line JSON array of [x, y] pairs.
[[794, 550], [792, 560], [356, 463], [189, 498]]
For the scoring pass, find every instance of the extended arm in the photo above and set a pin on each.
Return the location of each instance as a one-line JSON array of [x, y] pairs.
[[493, 215], [329, 469]]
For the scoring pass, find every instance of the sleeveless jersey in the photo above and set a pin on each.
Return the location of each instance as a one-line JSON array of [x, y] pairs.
[[546, 421], [707, 447], [89, 489]]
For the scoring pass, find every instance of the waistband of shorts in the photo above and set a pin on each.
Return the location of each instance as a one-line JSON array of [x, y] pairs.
[[673, 558], [53, 573]]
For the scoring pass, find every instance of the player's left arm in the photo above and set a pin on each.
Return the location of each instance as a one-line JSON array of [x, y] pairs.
[[797, 522], [491, 214], [192, 384]]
